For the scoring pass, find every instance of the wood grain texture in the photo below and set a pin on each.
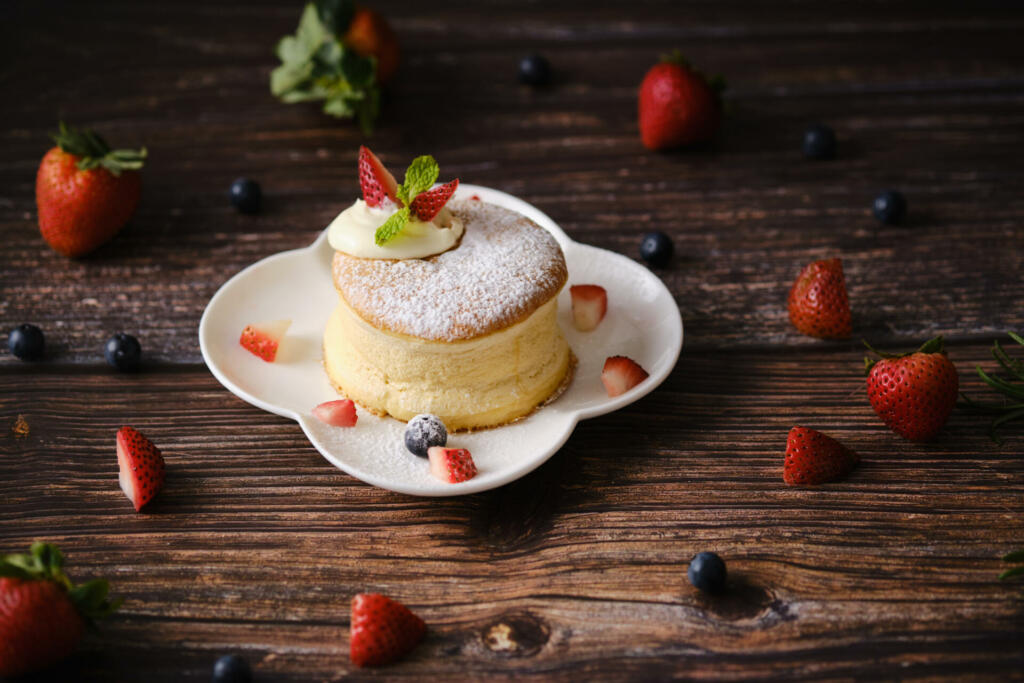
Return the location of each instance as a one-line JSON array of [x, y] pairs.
[[577, 571]]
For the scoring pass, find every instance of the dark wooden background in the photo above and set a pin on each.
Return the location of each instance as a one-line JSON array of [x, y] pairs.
[[577, 571]]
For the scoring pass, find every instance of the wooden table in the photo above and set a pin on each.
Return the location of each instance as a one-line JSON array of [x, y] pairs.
[[577, 571]]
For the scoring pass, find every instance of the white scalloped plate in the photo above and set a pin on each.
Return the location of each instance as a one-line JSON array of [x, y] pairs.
[[643, 323]]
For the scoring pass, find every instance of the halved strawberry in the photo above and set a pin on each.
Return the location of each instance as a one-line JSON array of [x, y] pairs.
[[262, 339], [451, 465], [141, 467], [589, 304], [813, 458], [382, 630], [376, 181], [341, 413], [427, 204], [621, 374]]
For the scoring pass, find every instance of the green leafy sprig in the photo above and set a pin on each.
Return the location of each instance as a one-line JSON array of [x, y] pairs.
[[419, 177], [45, 562], [95, 152], [1016, 556], [1010, 385], [316, 65]]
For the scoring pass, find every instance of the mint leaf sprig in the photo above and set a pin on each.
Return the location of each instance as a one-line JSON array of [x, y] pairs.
[[419, 177], [1010, 384], [1016, 556], [316, 65]]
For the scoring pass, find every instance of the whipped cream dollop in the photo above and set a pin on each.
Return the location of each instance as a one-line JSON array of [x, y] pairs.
[[353, 229]]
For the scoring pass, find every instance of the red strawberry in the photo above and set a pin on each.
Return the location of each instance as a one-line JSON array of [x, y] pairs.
[[451, 465], [818, 305], [427, 204], [589, 304], [677, 105], [341, 413], [262, 339], [376, 181], [383, 630], [141, 467], [813, 458], [370, 35], [621, 374], [85, 192], [42, 614], [913, 393]]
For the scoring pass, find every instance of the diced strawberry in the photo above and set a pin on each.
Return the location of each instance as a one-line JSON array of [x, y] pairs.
[[141, 467], [341, 413], [621, 374], [451, 465], [262, 339], [475, 198], [427, 204], [589, 304], [383, 630], [376, 181]]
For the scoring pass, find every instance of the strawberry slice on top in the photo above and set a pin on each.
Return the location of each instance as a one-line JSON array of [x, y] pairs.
[[589, 305], [428, 204], [621, 374], [263, 339], [376, 182], [141, 467]]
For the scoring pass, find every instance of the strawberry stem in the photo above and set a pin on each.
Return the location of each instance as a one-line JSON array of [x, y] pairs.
[[95, 152], [934, 345], [45, 562]]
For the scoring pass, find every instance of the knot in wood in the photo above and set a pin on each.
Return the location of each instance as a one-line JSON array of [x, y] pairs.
[[516, 635]]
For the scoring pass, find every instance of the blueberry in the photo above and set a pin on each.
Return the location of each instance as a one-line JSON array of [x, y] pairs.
[[424, 431], [231, 669], [246, 195], [26, 342], [656, 248], [534, 70], [707, 572], [123, 351], [890, 207], [819, 142]]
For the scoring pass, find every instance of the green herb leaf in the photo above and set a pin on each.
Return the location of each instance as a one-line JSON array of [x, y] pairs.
[[336, 15], [1015, 556], [1010, 573], [392, 226]]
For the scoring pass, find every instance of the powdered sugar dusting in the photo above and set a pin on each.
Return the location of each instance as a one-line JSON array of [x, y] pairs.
[[505, 267]]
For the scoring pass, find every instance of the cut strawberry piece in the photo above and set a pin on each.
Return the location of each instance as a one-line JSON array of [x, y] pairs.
[[818, 303], [383, 630], [813, 458], [341, 413], [475, 198], [427, 204], [589, 304], [377, 183], [451, 465], [621, 374], [141, 467], [262, 339]]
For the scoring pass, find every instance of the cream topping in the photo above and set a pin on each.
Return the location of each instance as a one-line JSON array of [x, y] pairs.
[[351, 232]]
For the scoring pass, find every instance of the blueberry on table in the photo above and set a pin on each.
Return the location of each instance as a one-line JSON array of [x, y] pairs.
[[656, 248], [890, 207], [246, 195], [123, 351], [423, 432], [707, 572], [534, 70], [26, 342], [819, 142], [231, 669]]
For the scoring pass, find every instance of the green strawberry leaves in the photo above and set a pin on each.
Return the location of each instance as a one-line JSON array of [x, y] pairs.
[[95, 152], [316, 66], [419, 177]]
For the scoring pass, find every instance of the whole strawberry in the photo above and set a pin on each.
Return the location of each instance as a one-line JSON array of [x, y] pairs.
[[913, 393], [818, 304], [814, 458], [85, 191], [42, 614], [678, 106]]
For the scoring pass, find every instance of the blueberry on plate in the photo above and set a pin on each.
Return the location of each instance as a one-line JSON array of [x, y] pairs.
[[819, 142], [246, 195], [26, 342], [123, 351], [890, 207], [707, 572], [231, 669], [534, 70], [656, 248], [424, 431]]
